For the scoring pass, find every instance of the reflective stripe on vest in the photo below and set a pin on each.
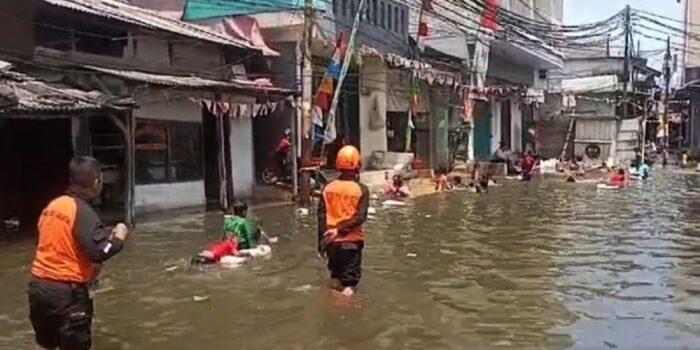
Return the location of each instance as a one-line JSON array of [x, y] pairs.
[[342, 199], [59, 256]]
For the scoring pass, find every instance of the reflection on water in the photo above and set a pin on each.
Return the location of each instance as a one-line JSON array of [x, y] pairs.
[[540, 265]]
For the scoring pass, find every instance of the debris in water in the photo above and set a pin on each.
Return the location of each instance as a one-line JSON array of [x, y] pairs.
[[374, 196], [302, 211], [428, 216], [609, 344], [301, 289], [411, 255], [447, 252], [171, 268], [371, 210], [200, 298]]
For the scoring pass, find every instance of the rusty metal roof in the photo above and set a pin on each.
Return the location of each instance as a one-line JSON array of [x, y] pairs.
[[190, 81], [22, 95], [141, 17]]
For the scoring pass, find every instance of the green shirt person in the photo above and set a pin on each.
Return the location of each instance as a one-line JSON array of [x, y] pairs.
[[246, 234]]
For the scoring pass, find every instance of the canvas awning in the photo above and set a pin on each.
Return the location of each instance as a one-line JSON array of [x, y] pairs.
[[597, 84]]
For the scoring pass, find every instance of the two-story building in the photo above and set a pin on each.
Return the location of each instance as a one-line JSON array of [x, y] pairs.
[[189, 141]]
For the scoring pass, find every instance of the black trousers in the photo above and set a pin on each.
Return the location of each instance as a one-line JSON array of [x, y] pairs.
[[345, 262], [61, 314]]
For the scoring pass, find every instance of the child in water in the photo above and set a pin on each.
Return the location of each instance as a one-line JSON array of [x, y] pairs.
[[238, 234], [397, 189], [237, 226], [440, 179]]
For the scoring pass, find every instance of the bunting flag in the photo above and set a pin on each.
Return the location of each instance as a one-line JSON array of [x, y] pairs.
[[325, 90]]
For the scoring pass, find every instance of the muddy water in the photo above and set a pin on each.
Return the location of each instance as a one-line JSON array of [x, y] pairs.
[[540, 265]]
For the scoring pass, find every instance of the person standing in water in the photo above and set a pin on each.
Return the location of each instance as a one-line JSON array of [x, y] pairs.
[[72, 245], [342, 210]]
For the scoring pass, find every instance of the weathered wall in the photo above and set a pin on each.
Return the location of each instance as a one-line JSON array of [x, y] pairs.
[[373, 105], [17, 27]]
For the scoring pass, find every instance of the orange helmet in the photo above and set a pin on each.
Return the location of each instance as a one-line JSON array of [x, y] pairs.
[[348, 158]]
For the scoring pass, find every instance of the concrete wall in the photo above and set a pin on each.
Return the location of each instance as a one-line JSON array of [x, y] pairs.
[[242, 161], [169, 196], [692, 17], [516, 126], [372, 95]]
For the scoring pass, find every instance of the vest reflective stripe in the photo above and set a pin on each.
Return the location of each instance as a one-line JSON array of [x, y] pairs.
[[341, 199], [59, 256]]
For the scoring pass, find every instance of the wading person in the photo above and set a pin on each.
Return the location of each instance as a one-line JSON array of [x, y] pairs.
[[72, 245], [342, 210]]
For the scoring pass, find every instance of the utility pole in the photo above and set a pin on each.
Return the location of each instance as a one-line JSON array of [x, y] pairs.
[[346, 61], [626, 69], [667, 88], [306, 95]]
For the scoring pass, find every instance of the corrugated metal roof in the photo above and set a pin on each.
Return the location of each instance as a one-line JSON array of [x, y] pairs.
[[188, 81], [21, 94], [148, 19]]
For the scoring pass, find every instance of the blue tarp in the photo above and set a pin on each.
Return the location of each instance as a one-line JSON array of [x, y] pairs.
[[203, 9]]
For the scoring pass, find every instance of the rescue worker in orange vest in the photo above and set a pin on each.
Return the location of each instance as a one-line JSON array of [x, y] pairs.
[[73, 244], [342, 210]]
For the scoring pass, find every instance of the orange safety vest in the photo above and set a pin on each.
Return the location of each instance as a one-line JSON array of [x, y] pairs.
[[341, 200], [59, 256]]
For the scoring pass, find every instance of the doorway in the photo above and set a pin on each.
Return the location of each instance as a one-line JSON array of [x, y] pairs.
[[212, 154], [506, 119], [482, 130], [35, 154]]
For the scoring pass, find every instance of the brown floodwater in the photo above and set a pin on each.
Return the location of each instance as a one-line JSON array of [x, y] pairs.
[[539, 265]]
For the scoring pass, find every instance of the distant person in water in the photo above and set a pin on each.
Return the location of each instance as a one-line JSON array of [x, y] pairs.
[[397, 188], [440, 179], [527, 166]]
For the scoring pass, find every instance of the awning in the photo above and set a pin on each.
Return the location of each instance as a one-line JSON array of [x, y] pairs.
[[119, 11], [194, 82], [237, 27], [23, 95]]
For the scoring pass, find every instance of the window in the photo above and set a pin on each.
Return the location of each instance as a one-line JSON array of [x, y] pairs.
[[396, 19], [374, 12], [67, 32], [390, 22], [168, 151], [382, 21]]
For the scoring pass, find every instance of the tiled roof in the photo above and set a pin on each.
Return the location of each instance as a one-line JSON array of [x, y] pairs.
[[21, 94], [120, 11], [190, 81]]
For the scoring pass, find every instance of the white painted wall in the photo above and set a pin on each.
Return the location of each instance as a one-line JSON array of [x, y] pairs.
[[495, 124], [169, 196], [374, 87], [242, 160], [516, 126]]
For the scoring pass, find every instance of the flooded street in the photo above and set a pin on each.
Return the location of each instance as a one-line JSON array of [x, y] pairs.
[[540, 265]]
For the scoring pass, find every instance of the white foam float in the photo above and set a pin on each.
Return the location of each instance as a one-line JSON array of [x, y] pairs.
[[371, 210], [607, 187], [233, 261], [392, 202]]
